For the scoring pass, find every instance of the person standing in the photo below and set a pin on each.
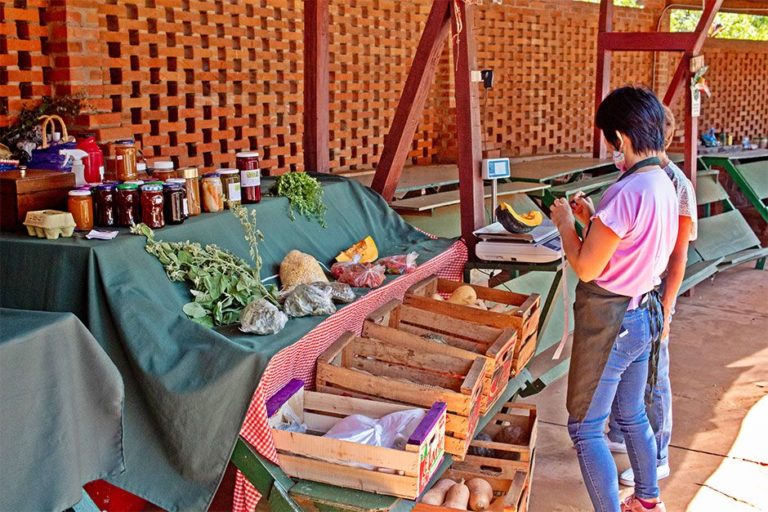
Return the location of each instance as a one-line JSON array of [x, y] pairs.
[[659, 408], [627, 244]]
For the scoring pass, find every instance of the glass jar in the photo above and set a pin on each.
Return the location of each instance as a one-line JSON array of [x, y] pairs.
[[250, 176], [152, 206], [212, 193], [80, 205], [128, 205], [125, 160], [141, 169], [230, 181], [162, 170], [192, 185], [174, 199], [104, 205]]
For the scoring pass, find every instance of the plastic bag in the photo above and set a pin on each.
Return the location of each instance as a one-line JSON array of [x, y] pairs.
[[359, 275], [291, 421], [340, 292], [51, 159], [307, 300], [390, 431], [399, 264], [262, 317]]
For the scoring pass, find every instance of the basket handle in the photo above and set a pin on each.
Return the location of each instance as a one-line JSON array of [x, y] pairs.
[[43, 126], [51, 119]]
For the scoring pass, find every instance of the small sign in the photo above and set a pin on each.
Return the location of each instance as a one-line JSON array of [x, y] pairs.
[[696, 63], [496, 168], [695, 103]]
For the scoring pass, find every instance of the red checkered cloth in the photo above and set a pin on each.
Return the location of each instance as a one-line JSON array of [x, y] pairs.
[[298, 360]]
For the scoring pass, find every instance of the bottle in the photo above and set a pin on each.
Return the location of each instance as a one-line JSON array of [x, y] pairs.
[[94, 163]]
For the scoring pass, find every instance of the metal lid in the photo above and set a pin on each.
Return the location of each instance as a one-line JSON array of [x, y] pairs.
[[228, 171], [151, 187], [177, 181], [138, 183], [158, 183], [188, 172], [128, 186], [247, 154], [80, 193], [162, 164], [170, 185], [211, 175], [106, 186]]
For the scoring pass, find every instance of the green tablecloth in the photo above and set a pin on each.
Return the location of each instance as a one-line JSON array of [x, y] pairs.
[[61, 404], [187, 387]]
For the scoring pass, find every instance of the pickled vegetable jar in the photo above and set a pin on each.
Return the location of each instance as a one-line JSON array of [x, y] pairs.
[[212, 193], [230, 181], [152, 206], [250, 176], [80, 205], [192, 185]]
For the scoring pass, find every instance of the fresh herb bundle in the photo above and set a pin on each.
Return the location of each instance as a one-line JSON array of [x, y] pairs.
[[304, 193], [222, 283]]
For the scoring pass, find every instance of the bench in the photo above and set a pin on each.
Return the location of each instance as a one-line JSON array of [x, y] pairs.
[[429, 202]]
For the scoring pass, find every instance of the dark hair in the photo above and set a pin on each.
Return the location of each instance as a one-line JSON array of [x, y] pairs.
[[635, 112]]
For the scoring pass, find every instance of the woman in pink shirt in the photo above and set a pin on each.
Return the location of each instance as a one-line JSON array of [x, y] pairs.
[[618, 317]]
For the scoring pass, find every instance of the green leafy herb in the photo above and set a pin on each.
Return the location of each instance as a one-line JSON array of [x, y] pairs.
[[222, 284], [304, 194]]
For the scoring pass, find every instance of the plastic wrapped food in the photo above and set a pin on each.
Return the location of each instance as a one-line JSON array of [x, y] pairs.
[[340, 292], [399, 264], [306, 300], [262, 317], [358, 275], [300, 268]]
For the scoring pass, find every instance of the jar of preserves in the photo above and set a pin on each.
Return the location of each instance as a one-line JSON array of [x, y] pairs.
[[212, 193], [152, 206], [80, 205], [162, 170], [125, 160], [230, 181], [250, 176], [104, 205], [174, 199], [128, 205], [192, 185]]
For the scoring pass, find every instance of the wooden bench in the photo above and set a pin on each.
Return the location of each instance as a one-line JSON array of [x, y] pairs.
[[429, 202]]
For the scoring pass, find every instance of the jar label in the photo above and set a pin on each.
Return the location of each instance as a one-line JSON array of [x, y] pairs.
[[250, 178], [186, 207], [233, 190]]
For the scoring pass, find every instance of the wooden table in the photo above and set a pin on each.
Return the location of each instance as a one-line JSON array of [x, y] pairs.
[[417, 177], [736, 156], [547, 170], [427, 203]]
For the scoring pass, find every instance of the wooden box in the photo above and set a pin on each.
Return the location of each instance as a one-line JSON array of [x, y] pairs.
[[464, 339], [38, 190], [310, 456], [396, 371], [524, 316]]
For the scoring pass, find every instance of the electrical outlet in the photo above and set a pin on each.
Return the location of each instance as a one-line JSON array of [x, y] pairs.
[[487, 78]]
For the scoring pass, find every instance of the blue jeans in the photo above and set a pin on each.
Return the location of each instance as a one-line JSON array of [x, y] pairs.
[[624, 378], [659, 411]]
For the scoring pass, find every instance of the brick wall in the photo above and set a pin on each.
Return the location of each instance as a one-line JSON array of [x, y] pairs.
[[198, 80]]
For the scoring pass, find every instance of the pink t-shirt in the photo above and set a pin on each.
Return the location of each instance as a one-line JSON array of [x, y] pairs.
[[642, 210]]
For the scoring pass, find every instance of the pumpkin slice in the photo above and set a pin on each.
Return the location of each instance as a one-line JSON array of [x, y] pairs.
[[515, 222], [364, 251]]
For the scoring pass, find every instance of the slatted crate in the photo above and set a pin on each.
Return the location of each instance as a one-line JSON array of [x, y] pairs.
[[310, 456], [407, 374], [394, 321], [524, 316]]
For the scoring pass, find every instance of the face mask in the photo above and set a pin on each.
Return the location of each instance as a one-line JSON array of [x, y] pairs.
[[618, 161]]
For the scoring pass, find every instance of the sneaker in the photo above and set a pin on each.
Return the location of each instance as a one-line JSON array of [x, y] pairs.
[[628, 477], [632, 504], [616, 447]]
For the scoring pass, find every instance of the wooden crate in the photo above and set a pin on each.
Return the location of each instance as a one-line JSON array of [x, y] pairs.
[[514, 491], [524, 317], [408, 374], [463, 339], [38, 190], [310, 456]]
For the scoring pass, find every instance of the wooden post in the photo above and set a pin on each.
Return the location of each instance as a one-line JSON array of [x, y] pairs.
[[397, 144], [691, 153], [603, 75], [316, 109], [468, 127]]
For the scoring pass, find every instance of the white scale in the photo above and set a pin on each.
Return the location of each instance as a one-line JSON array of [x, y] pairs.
[[541, 245]]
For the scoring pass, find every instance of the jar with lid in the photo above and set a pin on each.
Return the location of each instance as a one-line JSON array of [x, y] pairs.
[[128, 205], [104, 205], [212, 193], [162, 170], [80, 205], [125, 160], [230, 181], [152, 206], [175, 199], [250, 176], [192, 185], [141, 169]]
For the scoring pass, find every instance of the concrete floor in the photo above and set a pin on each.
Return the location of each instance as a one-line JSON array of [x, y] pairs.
[[719, 452]]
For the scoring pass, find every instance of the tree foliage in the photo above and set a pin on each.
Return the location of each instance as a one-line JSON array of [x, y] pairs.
[[735, 25]]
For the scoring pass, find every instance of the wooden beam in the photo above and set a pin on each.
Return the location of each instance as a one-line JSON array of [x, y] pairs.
[[468, 126], [603, 79], [397, 144], [681, 74], [316, 110], [647, 41], [691, 129]]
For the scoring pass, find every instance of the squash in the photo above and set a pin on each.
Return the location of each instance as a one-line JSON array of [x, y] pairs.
[[457, 496], [515, 222], [436, 494], [364, 251], [480, 494], [464, 295]]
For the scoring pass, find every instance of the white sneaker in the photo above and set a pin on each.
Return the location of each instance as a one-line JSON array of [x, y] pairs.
[[628, 477], [615, 447]]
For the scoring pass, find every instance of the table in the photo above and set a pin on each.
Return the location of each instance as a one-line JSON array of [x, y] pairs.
[[418, 178], [183, 382], [61, 404], [546, 170]]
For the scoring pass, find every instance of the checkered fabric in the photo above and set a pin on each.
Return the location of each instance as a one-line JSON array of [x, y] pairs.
[[298, 360]]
